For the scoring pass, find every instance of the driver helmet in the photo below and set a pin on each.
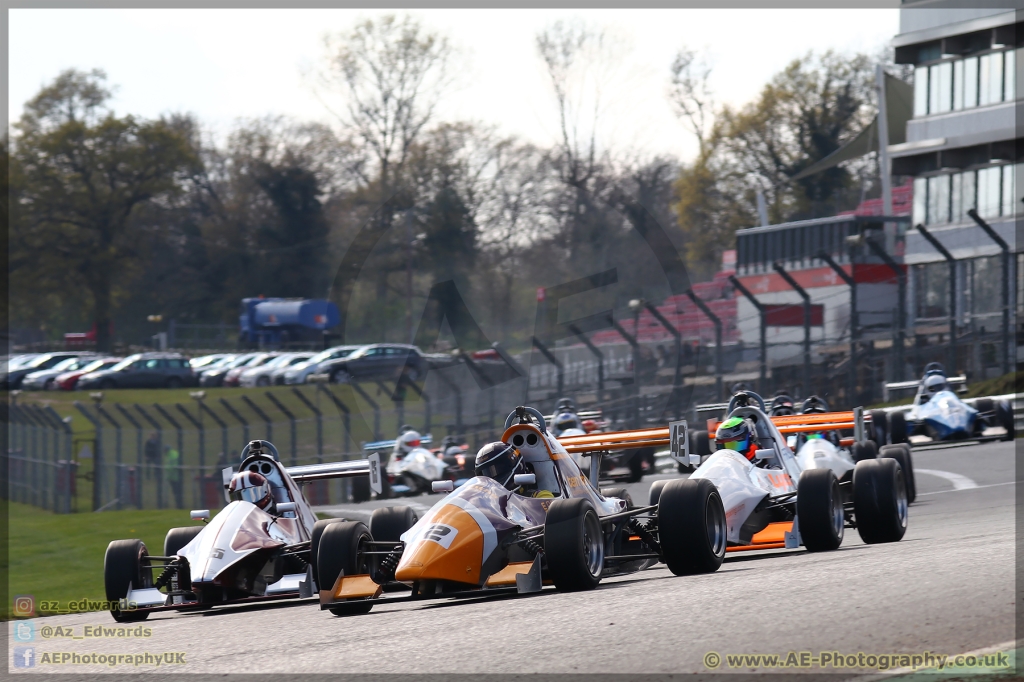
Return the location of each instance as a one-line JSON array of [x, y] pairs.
[[815, 405], [934, 384], [565, 405], [407, 442], [565, 421], [501, 462], [782, 405], [736, 434], [252, 487], [589, 425]]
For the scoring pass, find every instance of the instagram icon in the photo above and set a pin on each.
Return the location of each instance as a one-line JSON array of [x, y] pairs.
[[24, 606]]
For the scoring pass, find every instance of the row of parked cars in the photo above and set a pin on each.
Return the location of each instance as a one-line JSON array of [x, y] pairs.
[[70, 370]]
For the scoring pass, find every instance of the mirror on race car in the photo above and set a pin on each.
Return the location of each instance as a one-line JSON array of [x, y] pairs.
[[442, 486], [200, 515], [525, 479], [767, 453], [285, 507]]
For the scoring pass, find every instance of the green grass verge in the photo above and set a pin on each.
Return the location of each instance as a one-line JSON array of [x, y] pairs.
[[59, 557]]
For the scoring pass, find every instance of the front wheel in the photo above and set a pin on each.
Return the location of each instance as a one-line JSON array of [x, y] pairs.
[[897, 428], [691, 526], [342, 552], [314, 547], [819, 510], [880, 501], [620, 493], [879, 430], [1004, 412], [389, 523], [863, 450], [901, 453], [177, 538], [574, 544], [361, 489], [263, 381], [125, 567]]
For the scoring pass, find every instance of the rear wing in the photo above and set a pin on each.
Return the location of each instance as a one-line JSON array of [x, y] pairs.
[[853, 420], [582, 414], [356, 467], [390, 444], [897, 386]]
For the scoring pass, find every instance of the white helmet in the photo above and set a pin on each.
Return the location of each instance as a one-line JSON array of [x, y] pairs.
[[406, 443], [934, 384]]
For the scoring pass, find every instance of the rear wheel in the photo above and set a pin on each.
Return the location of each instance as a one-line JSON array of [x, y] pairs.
[[898, 427], [862, 450], [388, 523], [1004, 413], [620, 493], [636, 467], [984, 405], [691, 526], [342, 553], [656, 488], [880, 501], [263, 381], [901, 453], [361, 489], [879, 427], [574, 544], [124, 567], [314, 546], [819, 509]]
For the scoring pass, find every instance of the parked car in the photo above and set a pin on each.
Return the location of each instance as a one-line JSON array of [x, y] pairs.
[[263, 375], [377, 362], [68, 381], [299, 374], [205, 362], [144, 370], [45, 379], [214, 376], [258, 360], [13, 377]]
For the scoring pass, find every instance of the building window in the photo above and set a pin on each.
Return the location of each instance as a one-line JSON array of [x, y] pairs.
[[968, 194], [1010, 76], [1008, 192], [970, 82], [921, 91], [958, 85], [920, 209], [989, 186], [938, 200], [931, 285], [986, 280]]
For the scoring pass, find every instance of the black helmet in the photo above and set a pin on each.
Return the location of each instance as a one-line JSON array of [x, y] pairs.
[[815, 405], [782, 405], [499, 461], [565, 405]]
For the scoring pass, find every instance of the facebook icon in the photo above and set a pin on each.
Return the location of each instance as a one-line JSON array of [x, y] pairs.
[[24, 657]]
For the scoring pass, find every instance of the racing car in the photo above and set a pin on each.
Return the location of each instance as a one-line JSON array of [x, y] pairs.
[[624, 465], [534, 519], [938, 414], [774, 501], [262, 545]]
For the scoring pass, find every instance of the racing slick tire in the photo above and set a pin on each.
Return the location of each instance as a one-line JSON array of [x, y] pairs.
[[124, 564], [702, 446], [620, 493], [177, 538], [901, 453], [1004, 414], [314, 545], [879, 427], [361, 489], [880, 501], [636, 466], [574, 544], [897, 428], [656, 488], [819, 508], [691, 526], [388, 523], [339, 554], [863, 449], [984, 405]]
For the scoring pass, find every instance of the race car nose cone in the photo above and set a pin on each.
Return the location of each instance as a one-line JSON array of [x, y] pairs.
[[449, 547]]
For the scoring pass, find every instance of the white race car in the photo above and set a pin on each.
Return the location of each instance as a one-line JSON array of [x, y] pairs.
[[255, 548], [776, 500]]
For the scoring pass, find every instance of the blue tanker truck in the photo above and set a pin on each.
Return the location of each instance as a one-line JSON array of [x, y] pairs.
[[276, 322]]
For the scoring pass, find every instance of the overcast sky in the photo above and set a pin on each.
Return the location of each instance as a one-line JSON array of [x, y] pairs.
[[223, 65]]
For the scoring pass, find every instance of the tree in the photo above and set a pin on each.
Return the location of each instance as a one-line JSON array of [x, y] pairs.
[[392, 73], [84, 176]]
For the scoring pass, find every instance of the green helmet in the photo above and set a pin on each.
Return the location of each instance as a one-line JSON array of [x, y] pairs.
[[735, 434]]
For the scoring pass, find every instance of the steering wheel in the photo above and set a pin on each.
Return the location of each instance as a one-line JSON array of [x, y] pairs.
[[745, 399], [265, 445], [524, 414]]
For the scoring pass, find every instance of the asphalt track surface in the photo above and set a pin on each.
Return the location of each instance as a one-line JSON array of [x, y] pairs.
[[948, 587]]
